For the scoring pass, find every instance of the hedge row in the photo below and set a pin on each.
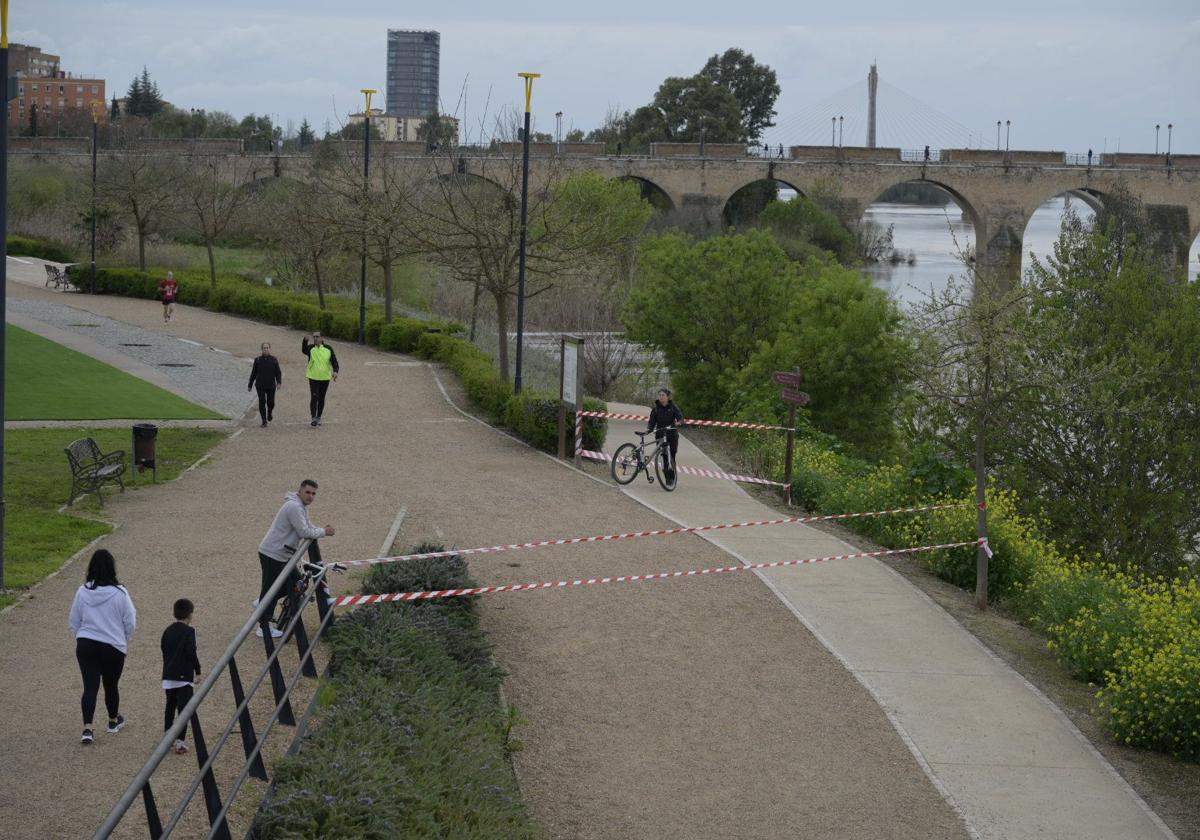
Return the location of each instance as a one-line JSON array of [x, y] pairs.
[[1137, 638], [532, 416], [42, 249], [412, 740]]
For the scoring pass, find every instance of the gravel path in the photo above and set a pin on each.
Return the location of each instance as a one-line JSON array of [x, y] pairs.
[[696, 709]]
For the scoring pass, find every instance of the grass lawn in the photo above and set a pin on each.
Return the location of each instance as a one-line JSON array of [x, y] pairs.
[[47, 381], [36, 482]]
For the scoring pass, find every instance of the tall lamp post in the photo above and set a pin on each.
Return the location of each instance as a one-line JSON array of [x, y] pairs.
[[362, 283], [558, 132], [528, 77], [1156, 128], [997, 135], [1007, 133], [1169, 127], [4, 262], [96, 108]]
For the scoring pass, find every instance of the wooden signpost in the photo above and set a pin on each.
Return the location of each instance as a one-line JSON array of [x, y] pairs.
[[791, 381]]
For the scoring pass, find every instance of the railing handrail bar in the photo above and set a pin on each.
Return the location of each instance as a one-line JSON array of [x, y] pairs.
[[169, 737], [219, 744], [232, 792]]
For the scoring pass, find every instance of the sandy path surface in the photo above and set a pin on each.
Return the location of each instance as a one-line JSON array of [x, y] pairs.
[[690, 709]]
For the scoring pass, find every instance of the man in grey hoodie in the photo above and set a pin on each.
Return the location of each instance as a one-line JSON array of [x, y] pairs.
[[290, 526]]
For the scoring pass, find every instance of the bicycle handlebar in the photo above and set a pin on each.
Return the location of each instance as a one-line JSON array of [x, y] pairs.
[[660, 429]]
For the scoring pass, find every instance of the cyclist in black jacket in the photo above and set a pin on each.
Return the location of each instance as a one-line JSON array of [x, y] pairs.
[[265, 377], [665, 418]]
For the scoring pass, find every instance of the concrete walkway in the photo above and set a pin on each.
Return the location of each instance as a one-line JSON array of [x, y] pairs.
[[999, 751]]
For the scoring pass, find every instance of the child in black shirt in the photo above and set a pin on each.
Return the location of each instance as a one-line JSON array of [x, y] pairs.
[[180, 666]]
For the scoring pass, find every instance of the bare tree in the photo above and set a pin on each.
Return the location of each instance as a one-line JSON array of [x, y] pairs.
[[467, 220], [302, 241], [215, 197], [144, 186]]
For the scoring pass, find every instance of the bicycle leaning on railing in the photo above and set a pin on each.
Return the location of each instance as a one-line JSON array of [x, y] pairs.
[[632, 458], [311, 578]]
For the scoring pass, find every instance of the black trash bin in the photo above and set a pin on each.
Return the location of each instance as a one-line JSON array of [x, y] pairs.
[[145, 435]]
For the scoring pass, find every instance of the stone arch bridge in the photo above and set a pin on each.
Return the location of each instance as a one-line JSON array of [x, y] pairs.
[[998, 191]]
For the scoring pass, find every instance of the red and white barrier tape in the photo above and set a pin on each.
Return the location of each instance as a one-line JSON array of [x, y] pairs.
[[749, 479], [660, 532], [361, 600], [721, 423]]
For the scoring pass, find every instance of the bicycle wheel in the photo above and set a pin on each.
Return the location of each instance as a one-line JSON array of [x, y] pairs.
[[625, 465], [667, 477]]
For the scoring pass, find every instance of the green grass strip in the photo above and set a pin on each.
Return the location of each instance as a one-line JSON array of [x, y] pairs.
[[46, 381], [37, 480]]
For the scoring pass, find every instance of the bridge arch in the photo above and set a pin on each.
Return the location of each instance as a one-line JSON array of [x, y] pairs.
[[743, 205], [1044, 223], [654, 195]]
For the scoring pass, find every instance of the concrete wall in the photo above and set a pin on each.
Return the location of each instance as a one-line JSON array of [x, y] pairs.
[[726, 151]]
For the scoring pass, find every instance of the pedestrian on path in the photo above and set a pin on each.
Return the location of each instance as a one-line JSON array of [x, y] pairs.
[[265, 377], [168, 289], [181, 666], [322, 368], [102, 621], [665, 419], [290, 526]]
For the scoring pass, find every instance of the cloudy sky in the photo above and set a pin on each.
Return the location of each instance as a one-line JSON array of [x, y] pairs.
[[1068, 76]]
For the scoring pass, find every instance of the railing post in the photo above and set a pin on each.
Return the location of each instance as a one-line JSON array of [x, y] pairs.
[[212, 796], [278, 685], [307, 667], [257, 769], [152, 820]]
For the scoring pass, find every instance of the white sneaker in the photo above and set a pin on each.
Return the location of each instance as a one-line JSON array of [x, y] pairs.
[[179, 747], [275, 632]]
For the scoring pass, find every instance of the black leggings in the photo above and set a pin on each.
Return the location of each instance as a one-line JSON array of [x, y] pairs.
[[316, 399], [270, 570], [99, 662], [266, 402], [177, 698]]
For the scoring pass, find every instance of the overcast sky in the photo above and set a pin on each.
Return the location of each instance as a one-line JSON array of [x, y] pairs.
[[1069, 76]]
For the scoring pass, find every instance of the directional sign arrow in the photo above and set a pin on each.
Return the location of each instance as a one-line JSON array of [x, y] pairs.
[[788, 378], [797, 397]]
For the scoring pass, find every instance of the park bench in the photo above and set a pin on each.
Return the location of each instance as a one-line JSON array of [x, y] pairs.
[[57, 278], [91, 469]]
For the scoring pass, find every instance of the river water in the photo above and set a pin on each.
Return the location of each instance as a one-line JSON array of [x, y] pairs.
[[930, 234]]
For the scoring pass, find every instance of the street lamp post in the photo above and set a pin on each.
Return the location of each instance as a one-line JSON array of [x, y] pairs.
[[841, 125], [1156, 128], [96, 106], [362, 282], [833, 131], [997, 135], [528, 77], [4, 262], [1169, 127], [558, 132], [1007, 133]]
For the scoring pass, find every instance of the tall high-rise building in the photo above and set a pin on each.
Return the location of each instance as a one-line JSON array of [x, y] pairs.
[[413, 59]]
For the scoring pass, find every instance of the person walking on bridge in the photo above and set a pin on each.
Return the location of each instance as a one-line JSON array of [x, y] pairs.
[[322, 369], [265, 377]]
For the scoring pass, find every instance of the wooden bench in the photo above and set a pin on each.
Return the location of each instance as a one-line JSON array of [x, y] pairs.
[[91, 469]]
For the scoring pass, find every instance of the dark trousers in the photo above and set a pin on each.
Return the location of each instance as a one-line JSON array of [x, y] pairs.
[[672, 447], [99, 662], [316, 396], [177, 698], [271, 569], [266, 402]]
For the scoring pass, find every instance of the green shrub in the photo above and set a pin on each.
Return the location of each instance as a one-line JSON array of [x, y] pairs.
[[42, 249], [412, 741], [534, 418]]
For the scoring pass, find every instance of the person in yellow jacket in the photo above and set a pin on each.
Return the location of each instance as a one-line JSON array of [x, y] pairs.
[[322, 368]]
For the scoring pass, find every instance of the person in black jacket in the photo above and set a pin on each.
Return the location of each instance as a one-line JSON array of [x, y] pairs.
[[665, 418], [180, 666], [265, 376]]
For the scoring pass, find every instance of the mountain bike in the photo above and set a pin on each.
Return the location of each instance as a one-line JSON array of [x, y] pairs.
[[631, 459]]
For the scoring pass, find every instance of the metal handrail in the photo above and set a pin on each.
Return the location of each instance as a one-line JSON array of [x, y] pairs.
[[134, 789]]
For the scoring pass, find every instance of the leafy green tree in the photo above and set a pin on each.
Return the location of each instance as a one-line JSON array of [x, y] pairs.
[[800, 225], [707, 306], [698, 103], [1110, 455], [575, 135], [436, 132], [753, 85], [848, 338]]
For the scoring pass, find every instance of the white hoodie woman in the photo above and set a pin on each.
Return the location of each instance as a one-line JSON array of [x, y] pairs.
[[102, 621]]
